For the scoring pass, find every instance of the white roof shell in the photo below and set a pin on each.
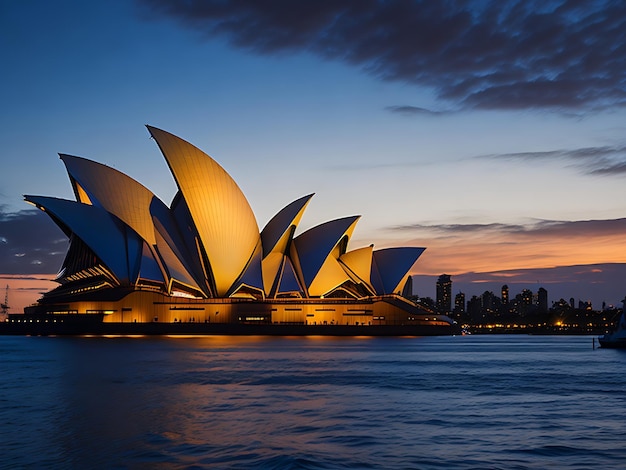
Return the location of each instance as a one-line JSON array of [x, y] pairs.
[[223, 218]]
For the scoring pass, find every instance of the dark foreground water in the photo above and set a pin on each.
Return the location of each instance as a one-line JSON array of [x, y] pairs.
[[450, 402]]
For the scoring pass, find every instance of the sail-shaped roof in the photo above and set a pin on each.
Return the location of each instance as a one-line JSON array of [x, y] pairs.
[[358, 264], [113, 191], [288, 280], [134, 204], [316, 245], [252, 277], [115, 244], [222, 216], [390, 268], [274, 231], [276, 237]]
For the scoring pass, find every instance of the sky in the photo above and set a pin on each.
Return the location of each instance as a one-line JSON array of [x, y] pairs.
[[491, 133]]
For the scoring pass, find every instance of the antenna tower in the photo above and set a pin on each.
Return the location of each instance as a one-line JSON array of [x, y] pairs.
[[5, 306]]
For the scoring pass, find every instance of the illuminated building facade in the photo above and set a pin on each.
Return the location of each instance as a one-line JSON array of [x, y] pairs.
[[505, 295], [203, 258], [444, 294], [459, 305], [542, 300]]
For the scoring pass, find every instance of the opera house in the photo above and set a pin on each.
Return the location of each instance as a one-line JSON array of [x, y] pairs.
[[132, 259]]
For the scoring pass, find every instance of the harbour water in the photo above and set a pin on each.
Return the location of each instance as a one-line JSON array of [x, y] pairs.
[[471, 402]]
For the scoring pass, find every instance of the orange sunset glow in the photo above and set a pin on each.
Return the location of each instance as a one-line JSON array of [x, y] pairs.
[[546, 245], [457, 250], [493, 155], [24, 289]]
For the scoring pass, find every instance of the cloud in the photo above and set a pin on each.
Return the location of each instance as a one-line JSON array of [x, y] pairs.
[[515, 54], [532, 244], [415, 111], [30, 243], [533, 228], [459, 228], [603, 160]]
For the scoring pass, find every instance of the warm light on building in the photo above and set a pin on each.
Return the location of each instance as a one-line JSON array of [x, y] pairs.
[[133, 258]]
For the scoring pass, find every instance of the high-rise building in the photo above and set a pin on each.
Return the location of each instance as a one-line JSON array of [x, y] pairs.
[[490, 303], [459, 305], [444, 293], [524, 302], [542, 300], [505, 295], [474, 309]]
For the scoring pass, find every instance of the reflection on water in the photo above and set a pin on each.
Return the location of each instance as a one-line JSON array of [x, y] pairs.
[[463, 402]]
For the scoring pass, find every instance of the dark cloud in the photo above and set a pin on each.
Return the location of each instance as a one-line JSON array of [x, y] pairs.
[[414, 111], [611, 169], [461, 228], [581, 228], [30, 243], [603, 160], [557, 228], [515, 54]]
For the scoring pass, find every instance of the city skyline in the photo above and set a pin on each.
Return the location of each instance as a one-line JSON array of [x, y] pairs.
[[492, 135], [508, 300]]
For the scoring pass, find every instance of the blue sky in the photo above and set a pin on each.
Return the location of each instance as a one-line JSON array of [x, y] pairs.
[[494, 134]]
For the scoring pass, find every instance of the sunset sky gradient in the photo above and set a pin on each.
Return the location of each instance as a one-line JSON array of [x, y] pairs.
[[492, 133]]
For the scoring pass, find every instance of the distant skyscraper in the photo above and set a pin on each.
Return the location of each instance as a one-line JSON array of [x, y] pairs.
[[524, 302], [459, 305], [488, 303], [444, 293], [505, 295], [542, 300], [474, 309]]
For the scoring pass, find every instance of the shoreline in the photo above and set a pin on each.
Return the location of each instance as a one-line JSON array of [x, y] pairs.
[[207, 329]]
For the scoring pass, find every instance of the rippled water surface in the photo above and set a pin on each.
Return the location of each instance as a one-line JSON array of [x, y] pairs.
[[224, 402]]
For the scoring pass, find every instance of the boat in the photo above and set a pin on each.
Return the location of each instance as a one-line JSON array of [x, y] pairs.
[[617, 338]]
